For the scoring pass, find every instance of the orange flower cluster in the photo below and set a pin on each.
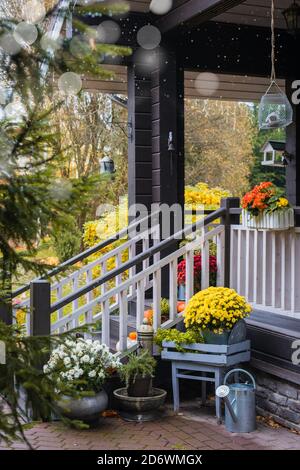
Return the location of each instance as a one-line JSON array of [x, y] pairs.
[[258, 197]]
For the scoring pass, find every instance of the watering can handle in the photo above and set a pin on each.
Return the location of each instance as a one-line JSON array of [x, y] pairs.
[[239, 370]]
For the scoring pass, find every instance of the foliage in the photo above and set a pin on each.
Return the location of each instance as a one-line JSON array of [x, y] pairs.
[[265, 197], [201, 194], [142, 364], [164, 307], [216, 309], [112, 219], [81, 365], [97, 325], [218, 144], [23, 385], [30, 207], [92, 126], [66, 240], [178, 337], [181, 269]]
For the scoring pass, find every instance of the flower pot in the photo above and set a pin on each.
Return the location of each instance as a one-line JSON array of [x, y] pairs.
[[214, 338], [140, 408], [140, 387], [278, 220], [87, 409], [236, 335]]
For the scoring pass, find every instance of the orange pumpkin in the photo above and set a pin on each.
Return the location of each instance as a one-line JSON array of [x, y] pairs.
[[148, 314], [133, 335], [180, 307]]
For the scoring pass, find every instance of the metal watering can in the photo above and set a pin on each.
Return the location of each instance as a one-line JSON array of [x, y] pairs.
[[239, 398]]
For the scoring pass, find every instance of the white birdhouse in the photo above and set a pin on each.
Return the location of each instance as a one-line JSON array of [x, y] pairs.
[[273, 153]]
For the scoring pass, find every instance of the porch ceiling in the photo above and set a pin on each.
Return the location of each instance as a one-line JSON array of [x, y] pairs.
[[249, 12], [256, 13], [230, 87]]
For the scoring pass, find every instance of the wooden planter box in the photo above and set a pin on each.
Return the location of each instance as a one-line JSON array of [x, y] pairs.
[[279, 220], [215, 354]]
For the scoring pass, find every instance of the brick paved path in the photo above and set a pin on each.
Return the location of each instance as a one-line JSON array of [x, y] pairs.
[[193, 429]]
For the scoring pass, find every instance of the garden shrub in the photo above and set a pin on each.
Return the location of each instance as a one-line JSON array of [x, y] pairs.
[[67, 240]]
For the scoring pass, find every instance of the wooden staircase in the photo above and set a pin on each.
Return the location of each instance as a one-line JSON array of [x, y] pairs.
[[84, 290]]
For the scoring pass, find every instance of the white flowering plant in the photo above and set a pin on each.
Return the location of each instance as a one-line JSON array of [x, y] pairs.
[[81, 365]]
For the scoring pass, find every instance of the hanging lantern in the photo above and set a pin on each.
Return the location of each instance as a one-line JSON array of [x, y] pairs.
[[275, 110], [107, 166], [292, 18]]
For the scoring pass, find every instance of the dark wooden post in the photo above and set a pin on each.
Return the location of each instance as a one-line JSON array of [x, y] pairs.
[[293, 148], [40, 321], [6, 314], [227, 221], [139, 140], [6, 310], [168, 117]]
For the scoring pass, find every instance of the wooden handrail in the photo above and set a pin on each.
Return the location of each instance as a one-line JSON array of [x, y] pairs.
[[139, 259], [85, 254]]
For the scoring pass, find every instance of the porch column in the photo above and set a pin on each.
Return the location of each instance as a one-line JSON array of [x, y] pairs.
[[139, 145], [168, 120], [168, 116], [293, 147]]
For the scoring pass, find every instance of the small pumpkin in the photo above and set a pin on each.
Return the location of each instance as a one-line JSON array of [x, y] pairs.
[[148, 315], [180, 306], [133, 335]]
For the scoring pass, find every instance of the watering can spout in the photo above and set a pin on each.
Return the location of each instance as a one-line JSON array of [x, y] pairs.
[[223, 392]]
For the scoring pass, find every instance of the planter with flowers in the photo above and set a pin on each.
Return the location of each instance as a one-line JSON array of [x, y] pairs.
[[80, 368], [218, 313], [181, 274], [266, 207]]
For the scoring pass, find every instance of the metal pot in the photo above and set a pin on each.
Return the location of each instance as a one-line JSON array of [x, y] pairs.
[[140, 408], [140, 387], [214, 338], [85, 409]]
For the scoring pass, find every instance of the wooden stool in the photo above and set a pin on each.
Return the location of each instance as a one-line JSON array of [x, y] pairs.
[[203, 359]]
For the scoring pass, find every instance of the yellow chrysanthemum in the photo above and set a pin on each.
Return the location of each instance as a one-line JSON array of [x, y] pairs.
[[216, 308], [282, 202]]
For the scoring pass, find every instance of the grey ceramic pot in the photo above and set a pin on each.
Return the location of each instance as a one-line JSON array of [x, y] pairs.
[[87, 409]]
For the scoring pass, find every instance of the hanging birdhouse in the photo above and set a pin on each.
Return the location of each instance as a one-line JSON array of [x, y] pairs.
[[273, 151], [275, 110]]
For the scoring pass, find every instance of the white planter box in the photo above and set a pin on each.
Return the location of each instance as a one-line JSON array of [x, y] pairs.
[[279, 220]]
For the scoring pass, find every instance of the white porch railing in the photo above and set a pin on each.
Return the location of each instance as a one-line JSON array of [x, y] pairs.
[[86, 309], [135, 287], [265, 268]]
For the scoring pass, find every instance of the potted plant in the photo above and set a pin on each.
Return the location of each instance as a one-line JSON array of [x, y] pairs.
[[80, 368], [138, 373], [266, 207], [215, 311], [181, 274]]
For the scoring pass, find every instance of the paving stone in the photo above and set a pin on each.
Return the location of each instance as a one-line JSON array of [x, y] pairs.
[[170, 433]]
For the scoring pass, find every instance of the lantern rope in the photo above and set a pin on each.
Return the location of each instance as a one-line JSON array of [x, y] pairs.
[[273, 73]]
